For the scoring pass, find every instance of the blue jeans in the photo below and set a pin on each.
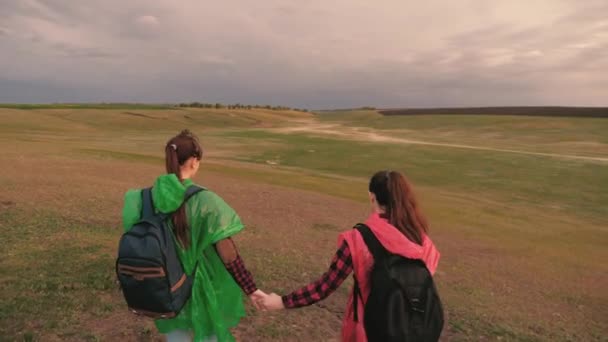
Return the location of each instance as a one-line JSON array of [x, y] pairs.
[[184, 336]]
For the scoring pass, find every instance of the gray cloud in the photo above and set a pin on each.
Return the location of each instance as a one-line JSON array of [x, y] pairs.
[[314, 53]]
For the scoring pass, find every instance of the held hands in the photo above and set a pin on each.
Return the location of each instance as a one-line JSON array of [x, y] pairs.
[[266, 302], [256, 297], [272, 302]]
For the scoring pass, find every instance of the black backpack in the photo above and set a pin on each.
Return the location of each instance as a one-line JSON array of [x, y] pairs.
[[150, 273], [403, 304]]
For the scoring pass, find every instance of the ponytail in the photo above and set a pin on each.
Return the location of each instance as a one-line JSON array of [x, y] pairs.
[[395, 194], [171, 160], [179, 149]]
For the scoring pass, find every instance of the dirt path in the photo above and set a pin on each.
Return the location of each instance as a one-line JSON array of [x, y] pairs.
[[359, 134]]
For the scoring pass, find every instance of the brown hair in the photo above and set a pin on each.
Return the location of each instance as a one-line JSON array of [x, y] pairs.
[[178, 150], [394, 192]]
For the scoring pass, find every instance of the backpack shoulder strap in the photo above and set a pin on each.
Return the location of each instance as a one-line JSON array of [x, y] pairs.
[[147, 208], [356, 295], [374, 246], [191, 191], [377, 250]]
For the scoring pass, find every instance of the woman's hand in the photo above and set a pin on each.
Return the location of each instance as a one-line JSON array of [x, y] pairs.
[[256, 297], [271, 302]]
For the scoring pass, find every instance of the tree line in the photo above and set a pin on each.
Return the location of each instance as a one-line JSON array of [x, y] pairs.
[[236, 106]]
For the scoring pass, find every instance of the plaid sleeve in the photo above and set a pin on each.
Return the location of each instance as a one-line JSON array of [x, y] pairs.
[[341, 266], [241, 275]]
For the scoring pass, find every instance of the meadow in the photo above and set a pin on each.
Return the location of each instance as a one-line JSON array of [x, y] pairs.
[[518, 208]]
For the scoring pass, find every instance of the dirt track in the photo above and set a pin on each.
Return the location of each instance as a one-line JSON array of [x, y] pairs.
[[368, 135]]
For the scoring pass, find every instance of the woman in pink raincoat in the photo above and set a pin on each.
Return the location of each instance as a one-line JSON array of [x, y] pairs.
[[401, 228]]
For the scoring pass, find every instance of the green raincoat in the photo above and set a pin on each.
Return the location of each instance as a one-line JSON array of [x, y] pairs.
[[216, 304]]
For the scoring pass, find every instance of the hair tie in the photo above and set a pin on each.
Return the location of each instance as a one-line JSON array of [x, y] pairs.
[[174, 147]]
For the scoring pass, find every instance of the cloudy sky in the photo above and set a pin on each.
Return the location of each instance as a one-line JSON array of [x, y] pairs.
[[306, 53]]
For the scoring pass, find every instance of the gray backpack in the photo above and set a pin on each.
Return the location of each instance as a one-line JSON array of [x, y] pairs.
[[150, 273]]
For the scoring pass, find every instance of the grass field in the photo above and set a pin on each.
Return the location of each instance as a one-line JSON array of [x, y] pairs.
[[517, 205]]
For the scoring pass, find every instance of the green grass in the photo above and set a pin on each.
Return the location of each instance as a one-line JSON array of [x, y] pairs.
[[584, 136], [570, 186], [106, 154], [522, 237], [121, 123], [52, 278], [543, 127]]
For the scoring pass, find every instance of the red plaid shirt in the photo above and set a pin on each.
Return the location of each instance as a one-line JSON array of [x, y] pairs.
[[340, 268], [241, 275]]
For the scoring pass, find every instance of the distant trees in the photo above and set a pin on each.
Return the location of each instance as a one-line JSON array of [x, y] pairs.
[[197, 105], [237, 106]]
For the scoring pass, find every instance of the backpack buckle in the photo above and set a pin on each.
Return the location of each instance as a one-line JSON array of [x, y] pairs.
[[415, 304]]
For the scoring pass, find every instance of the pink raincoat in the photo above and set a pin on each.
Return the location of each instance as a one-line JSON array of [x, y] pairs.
[[395, 242]]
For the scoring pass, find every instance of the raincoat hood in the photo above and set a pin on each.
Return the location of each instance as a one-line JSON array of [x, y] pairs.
[[168, 192], [396, 242]]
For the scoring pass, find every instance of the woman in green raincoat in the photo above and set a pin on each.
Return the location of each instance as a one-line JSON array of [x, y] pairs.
[[203, 227]]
